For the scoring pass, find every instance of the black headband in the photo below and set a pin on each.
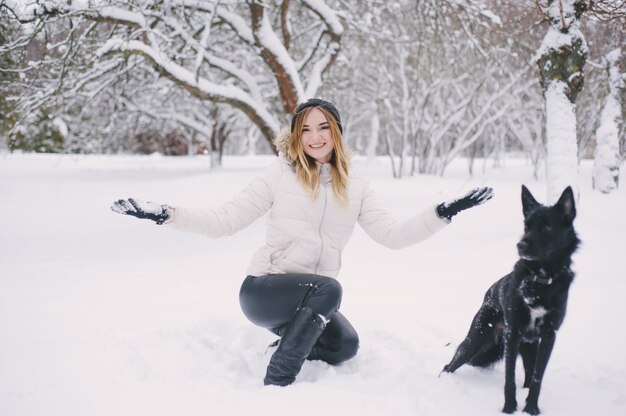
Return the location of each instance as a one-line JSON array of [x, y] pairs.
[[317, 102]]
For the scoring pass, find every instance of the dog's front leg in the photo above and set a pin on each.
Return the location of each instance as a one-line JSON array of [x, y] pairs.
[[511, 349], [543, 355]]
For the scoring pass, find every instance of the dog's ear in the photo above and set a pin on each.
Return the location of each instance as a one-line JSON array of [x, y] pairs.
[[566, 204], [528, 201]]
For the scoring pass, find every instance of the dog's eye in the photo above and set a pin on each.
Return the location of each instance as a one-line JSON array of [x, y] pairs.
[[547, 228]]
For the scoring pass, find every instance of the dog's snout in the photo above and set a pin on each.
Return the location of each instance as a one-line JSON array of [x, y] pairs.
[[522, 246]]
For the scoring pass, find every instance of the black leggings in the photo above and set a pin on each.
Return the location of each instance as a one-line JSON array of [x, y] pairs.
[[270, 302]]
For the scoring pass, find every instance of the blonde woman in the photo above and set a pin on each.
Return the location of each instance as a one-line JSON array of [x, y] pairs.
[[313, 201]]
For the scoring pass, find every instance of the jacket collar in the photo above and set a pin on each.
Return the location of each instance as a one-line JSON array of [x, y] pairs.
[[280, 141]]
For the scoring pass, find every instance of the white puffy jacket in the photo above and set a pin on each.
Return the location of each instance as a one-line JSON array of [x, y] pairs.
[[305, 235]]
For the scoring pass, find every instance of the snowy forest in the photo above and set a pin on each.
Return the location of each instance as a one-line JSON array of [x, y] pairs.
[[420, 81]]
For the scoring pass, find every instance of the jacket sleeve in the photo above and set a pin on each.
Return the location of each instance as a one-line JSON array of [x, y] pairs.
[[380, 225], [239, 212]]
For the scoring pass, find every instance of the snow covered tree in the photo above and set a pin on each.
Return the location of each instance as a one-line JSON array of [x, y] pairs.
[[562, 56], [607, 158], [260, 57], [421, 81], [8, 78], [43, 133], [431, 78]]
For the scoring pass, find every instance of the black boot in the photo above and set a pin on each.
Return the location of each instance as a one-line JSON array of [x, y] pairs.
[[297, 340]]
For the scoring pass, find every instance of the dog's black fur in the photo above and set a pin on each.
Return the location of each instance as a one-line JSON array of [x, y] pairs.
[[522, 311]]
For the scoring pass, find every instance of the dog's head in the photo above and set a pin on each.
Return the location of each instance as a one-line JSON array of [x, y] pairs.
[[548, 230]]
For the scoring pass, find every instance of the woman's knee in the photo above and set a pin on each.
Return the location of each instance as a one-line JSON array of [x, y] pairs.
[[332, 288], [326, 297]]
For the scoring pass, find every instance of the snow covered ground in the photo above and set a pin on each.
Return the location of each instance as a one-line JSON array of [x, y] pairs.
[[102, 314]]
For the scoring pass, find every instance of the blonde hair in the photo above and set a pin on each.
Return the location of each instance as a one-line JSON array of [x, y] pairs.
[[306, 168]]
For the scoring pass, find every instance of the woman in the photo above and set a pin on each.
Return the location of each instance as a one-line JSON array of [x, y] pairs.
[[313, 201]]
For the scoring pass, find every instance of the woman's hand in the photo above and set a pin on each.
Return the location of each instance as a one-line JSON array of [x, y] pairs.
[[473, 198], [142, 209]]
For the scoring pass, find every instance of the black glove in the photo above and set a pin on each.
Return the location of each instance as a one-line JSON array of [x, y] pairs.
[[142, 209], [474, 197]]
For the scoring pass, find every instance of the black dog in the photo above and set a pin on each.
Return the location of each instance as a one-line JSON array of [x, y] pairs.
[[522, 311]]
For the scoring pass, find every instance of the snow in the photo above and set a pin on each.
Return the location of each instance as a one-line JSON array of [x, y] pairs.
[[61, 125], [495, 19], [104, 314]]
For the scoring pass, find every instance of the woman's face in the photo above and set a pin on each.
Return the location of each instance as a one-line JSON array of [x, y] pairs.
[[317, 140]]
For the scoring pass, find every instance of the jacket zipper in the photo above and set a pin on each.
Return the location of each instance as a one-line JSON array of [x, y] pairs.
[[319, 229]]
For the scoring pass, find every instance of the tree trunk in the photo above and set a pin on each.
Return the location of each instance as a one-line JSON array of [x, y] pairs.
[[372, 143], [562, 148], [563, 53], [607, 155]]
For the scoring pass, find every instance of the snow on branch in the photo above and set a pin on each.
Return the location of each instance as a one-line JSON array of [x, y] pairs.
[[491, 110], [327, 14], [555, 40], [116, 14], [268, 39], [93, 74], [477, 9], [235, 21], [244, 76], [277, 58], [162, 114], [200, 87], [222, 64], [239, 25], [315, 78], [335, 29], [30, 11]]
